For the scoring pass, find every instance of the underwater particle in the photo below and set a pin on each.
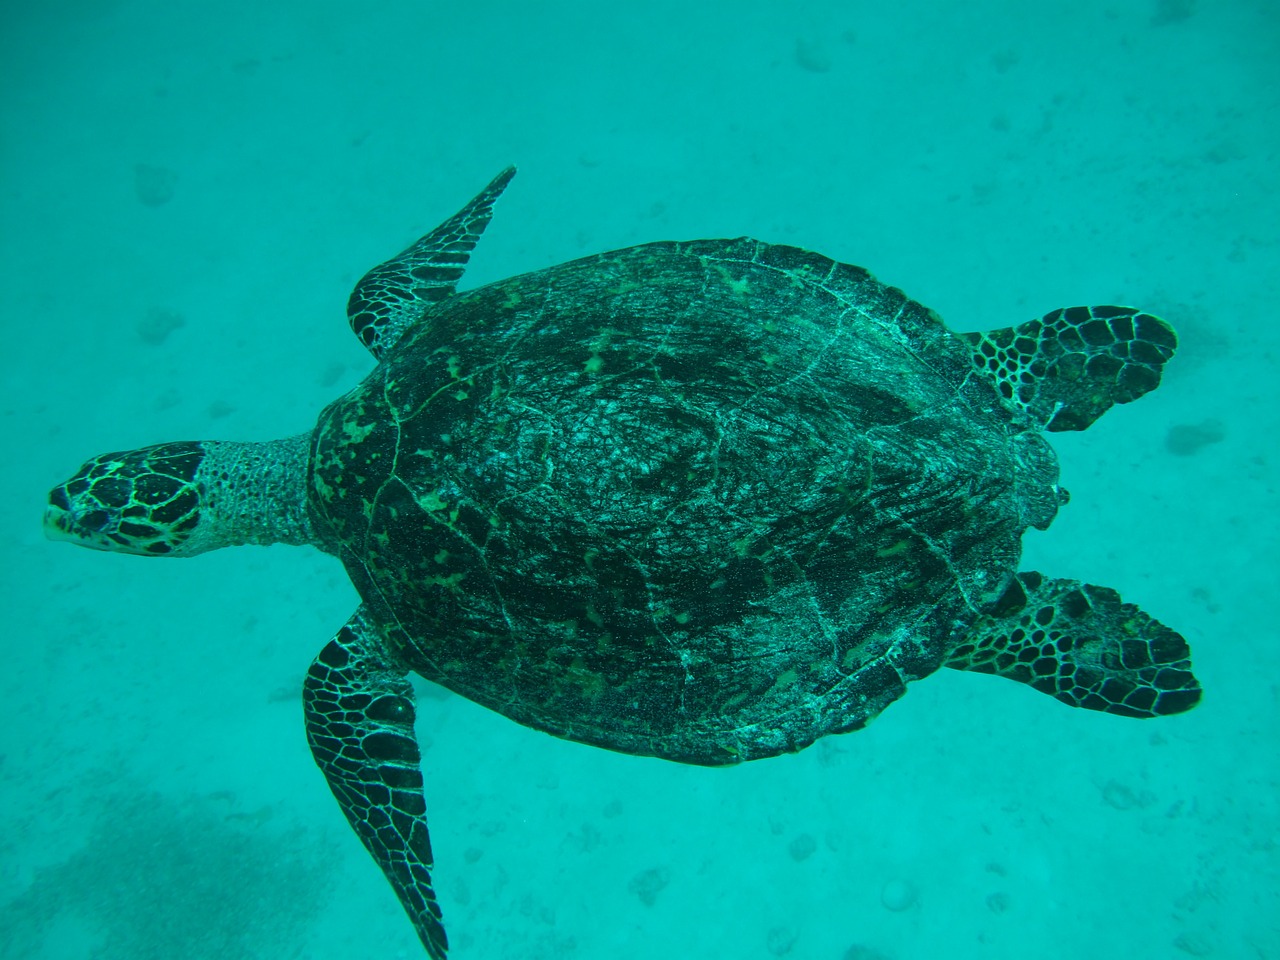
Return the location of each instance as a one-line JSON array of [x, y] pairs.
[[648, 884], [1205, 598], [1172, 11], [898, 895], [998, 902], [858, 952], [802, 847], [153, 185], [461, 891], [586, 838], [1185, 439], [155, 327], [1193, 944], [333, 372], [811, 56], [1116, 794], [780, 940], [1005, 60], [168, 400]]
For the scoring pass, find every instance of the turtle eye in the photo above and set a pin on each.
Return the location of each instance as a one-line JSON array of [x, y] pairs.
[[58, 498]]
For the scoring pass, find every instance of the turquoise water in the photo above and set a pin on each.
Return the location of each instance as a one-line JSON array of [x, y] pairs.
[[189, 194]]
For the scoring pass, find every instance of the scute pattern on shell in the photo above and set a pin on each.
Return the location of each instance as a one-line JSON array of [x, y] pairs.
[[707, 501]]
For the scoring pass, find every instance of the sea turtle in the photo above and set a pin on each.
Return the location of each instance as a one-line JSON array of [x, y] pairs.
[[707, 501]]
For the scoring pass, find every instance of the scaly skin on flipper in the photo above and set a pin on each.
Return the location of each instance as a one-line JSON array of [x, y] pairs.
[[359, 713], [1082, 645], [1069, 367], [392, 296]]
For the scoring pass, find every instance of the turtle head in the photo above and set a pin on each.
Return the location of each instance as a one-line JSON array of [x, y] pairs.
[[145, 502]]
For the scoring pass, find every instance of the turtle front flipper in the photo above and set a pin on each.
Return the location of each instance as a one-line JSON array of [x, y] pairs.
[[1083, 645], [1069, 367], [359, 710], [393, 295]]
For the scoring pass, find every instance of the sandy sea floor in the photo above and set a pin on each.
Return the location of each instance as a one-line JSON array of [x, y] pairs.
[[189, 193]]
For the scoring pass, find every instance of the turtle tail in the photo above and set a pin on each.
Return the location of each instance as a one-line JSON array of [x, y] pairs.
[[1082, 645], [1069, 367]]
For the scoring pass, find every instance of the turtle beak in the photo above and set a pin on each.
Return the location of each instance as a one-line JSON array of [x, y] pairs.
[[57, 516], [60, 523], [58, 526]]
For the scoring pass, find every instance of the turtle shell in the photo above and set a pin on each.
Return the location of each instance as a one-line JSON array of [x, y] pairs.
[[708, 501]]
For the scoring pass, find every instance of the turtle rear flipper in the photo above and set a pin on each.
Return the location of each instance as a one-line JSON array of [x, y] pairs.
[[359, 712], [1069, 367], [1084, 646]]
